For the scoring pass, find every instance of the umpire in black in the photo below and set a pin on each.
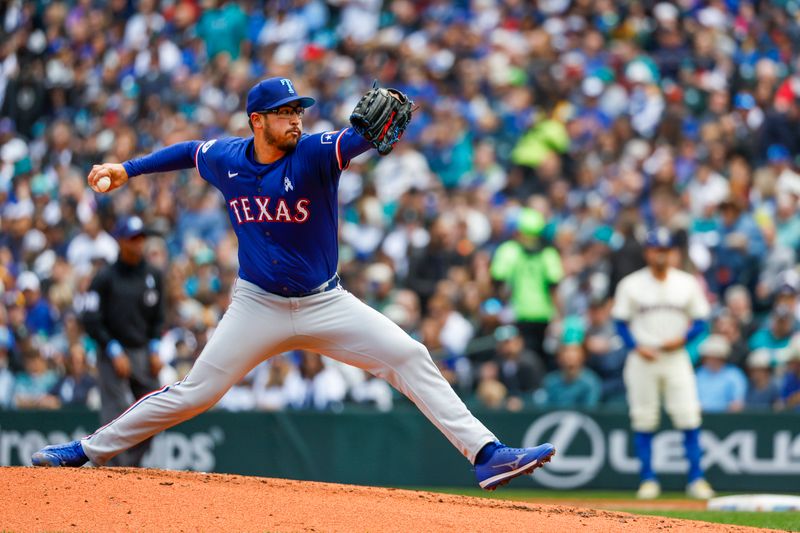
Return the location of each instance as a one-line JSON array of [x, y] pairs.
[[124, 313]]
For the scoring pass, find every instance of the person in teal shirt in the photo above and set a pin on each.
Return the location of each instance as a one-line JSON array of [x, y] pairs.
[[32, 386], [572, 385], [223, 29], [777, 332]]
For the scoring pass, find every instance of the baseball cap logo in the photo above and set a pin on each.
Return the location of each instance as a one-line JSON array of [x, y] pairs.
[[273, 93], [288, 85]]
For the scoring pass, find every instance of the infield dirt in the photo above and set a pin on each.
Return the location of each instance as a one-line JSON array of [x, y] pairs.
[[128, 499]]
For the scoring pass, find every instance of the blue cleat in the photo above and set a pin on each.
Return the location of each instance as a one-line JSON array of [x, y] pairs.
[[70, 454], [507, 463]]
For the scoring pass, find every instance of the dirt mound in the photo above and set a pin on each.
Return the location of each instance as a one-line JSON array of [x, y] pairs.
[[125, 499]]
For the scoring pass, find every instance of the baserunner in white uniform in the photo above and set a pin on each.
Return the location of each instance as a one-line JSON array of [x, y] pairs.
[[658, 309], [280, 188]]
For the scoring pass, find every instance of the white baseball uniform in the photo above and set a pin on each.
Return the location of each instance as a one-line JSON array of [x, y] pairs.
[[657, 312]]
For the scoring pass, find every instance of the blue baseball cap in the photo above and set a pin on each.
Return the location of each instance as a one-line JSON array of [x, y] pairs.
[[744, 101], [129, 227], [273, 93], [777, 153], [659, 238]]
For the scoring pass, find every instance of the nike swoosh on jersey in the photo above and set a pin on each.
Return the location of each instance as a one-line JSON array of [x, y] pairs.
[[232, 174]]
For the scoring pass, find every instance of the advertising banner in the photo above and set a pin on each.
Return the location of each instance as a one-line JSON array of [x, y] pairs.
[[401, 448]]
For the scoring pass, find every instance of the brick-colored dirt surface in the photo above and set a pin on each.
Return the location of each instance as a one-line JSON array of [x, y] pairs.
[[118, 499]]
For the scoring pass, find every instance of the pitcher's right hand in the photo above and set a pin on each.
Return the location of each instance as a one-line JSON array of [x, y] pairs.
[[115, 171]]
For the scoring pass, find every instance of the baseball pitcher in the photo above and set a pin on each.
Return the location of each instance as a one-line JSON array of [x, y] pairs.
[[280, 188]]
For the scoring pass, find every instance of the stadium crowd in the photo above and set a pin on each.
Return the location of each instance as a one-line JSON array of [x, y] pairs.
[[562, 128]]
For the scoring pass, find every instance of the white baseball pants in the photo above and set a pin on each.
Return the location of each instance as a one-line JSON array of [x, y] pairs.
[[672, 377], [259, 325]]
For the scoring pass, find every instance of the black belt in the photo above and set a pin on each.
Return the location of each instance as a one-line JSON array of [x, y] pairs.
[[325, 287]]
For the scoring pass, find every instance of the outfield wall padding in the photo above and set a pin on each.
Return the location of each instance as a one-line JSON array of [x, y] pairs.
[[751, 452]]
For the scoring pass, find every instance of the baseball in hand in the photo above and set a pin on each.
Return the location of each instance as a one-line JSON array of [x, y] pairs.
[[103, 183]]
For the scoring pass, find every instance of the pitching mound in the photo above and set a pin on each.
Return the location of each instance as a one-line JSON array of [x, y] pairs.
[[124, 499]]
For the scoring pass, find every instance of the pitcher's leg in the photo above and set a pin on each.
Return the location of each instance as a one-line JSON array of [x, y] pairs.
[[344, 328], [250, 331], [142, 383]]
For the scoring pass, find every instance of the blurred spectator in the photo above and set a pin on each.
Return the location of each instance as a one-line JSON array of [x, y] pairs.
[[380, 286], [531, 269], [6, 376], [491, 394], [572, 385], [20, 336], [483, 344], [453, 330], [92, 244], [77, 387], [775, 335], [34, 383], [223, 29], [431, 263], [707, 190], [738, 302], [270, 383], [721, 387], [204, 283], [628, 255], [605, 351], [763, 391], [790, 389], [40, 317], [520, 369], [315, 386], [725, 324], [740, 248], [372, 391], [787, 222]]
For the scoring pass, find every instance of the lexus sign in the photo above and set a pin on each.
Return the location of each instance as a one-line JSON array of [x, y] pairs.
[[568, 469], [584, 449]]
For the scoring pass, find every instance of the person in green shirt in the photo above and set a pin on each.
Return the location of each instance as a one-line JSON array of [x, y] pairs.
[[531, 269]]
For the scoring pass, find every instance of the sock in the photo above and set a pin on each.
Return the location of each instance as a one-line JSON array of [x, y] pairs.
[[643, 443], [486, 452], [691, 442]]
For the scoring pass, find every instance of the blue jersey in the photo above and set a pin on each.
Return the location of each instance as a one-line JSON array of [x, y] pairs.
[[284, 213]]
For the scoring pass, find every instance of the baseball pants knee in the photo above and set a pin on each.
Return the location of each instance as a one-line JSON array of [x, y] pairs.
[[343, 327], [249, 332]]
